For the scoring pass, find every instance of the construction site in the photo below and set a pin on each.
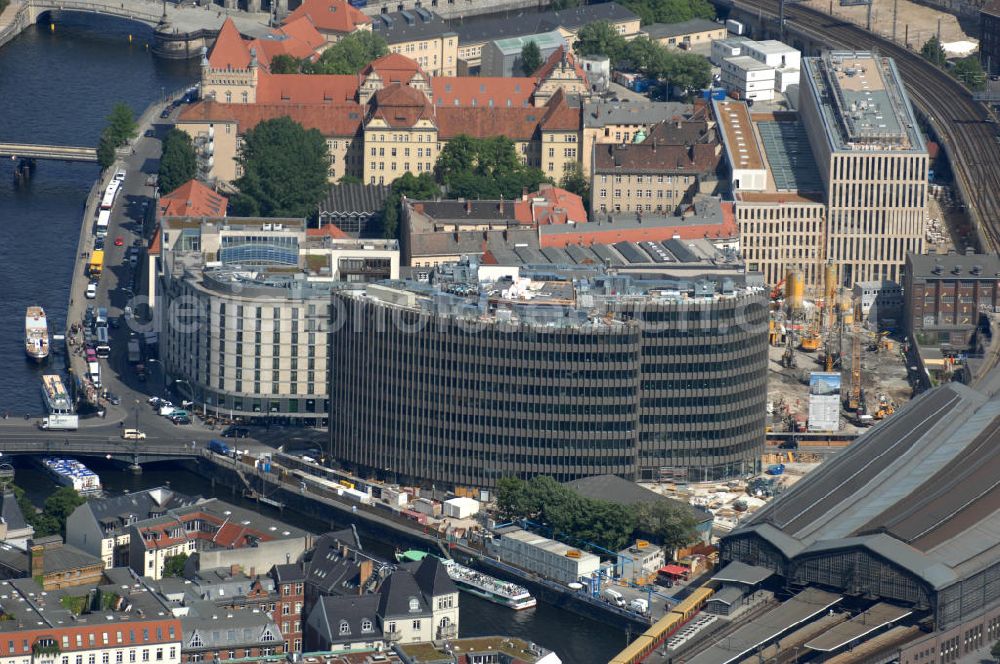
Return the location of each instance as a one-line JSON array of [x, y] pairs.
[[832, 369]]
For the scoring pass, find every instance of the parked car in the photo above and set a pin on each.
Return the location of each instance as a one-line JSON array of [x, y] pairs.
[[113, 398], [119, 241], [182, 419], [236, 432], [98, 243], [91, 291]]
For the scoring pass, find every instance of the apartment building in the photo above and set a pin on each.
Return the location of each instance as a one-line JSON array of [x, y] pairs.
[[421, 36], [617, 122], [655, 173], [695, 33], [476, 31], [945, 296], [872, 160]]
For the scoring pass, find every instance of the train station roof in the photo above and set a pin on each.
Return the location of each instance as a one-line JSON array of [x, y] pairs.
[[737, 572], [918, 491], [838, 636], [800, 609]]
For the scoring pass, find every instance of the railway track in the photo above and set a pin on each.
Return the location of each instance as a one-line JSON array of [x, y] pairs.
[[962, 124]]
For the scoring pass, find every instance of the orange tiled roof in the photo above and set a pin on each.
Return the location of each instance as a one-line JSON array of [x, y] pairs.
[[330, 15], [343, 119], [298, 39], [229, 50], [559, 115], [401, 105], [559, 207], [156, 244], [482, 91], [549, 65], [193, 199], [393, 68], [306, 88], [328, 230]]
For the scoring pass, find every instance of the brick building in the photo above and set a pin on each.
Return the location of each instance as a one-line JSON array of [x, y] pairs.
[[944, 296]]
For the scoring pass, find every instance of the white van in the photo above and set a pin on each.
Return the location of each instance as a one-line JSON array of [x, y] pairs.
[[95, 373], [614, 597], [133, 434], [639, 605]]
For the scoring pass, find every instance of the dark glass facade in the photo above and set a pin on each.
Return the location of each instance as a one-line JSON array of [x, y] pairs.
[[666, 389]]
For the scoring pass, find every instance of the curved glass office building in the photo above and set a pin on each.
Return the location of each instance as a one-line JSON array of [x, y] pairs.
[[563, 373]]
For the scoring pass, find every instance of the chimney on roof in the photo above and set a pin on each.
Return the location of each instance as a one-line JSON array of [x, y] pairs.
[[468, 207], [234, 570], [36, 559], [501, 205], [524, 193]]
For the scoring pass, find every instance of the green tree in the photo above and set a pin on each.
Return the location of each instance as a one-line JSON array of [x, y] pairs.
[[349, 55], [178, 163], [599, 38], [121, 124], [61, 504], [347, 178], [670, 523], [670, 11], [933, 51], [531, 58], [644, 55], [105, 151], [285, 64], [284, 170], [687, 72], [484, 168], [970, 72], [418, 187], [174, 565], [576, 182], [995, 651]]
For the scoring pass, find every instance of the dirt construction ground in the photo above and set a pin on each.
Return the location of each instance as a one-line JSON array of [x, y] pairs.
[[921, 22]]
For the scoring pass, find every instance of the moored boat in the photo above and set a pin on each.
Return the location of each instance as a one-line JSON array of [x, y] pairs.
[[72, 473], [36, 334], [478, 583], [57, 399]]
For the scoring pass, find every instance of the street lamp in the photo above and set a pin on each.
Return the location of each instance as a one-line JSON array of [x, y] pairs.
[[136, 414]]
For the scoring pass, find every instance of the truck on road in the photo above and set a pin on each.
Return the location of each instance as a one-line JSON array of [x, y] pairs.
[[96, 264], [56, 422], [134, 357]]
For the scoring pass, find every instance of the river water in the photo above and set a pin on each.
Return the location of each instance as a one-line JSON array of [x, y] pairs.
[[56, 87]]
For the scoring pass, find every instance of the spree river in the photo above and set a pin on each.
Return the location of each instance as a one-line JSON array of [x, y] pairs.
[[56, 87]]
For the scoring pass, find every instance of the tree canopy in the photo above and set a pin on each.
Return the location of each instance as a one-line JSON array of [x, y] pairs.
[[121, 124], [531, 58], [284, 170], [174, 565], [51, 520], [970, 72], [608, 525], [995, 651], [105, 151], [484, 168], [599, 38], [177, 163], [349, 55], [285, 64], [933, 51], [420, 186], [576, 181], [670, 11]]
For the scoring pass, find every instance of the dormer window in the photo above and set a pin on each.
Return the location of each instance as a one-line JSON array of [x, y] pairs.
[[345, 628], [367, 626], [414, 605]]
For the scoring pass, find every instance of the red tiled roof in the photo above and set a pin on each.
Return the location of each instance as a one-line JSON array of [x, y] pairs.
[[559, 207], [306, 88], [298, 39], [549, 65], [330, 15], [518, 124], [559, 116], [156, 244], [393, 68], [482, 90], [401, 105], [193, 199], [229, 50], [328, 230], [342, 119]]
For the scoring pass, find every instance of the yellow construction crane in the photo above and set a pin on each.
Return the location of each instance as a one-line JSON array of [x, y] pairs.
[[854, 397]]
